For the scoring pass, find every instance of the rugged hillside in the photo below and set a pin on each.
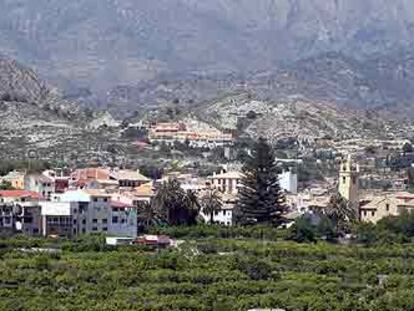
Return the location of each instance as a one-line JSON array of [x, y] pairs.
[[21, 88], [298, 119], [92, 46], [380, 81]]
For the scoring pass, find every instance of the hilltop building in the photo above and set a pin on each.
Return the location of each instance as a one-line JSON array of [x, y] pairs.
[[170, 133]]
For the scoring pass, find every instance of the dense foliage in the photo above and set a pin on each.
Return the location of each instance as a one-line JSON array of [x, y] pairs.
[[174, 206], [260, 198], [206, 274]]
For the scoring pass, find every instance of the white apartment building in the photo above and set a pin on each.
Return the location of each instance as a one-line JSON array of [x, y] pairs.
[[88, 211]]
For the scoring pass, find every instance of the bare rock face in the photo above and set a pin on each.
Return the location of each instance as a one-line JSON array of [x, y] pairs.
[[20, 84], [104, 119], [298, 119]]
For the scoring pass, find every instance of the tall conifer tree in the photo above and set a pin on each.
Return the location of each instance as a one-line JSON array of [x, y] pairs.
[[260, 198]]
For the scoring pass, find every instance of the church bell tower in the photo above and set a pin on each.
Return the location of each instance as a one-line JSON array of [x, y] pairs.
[[348, 185]]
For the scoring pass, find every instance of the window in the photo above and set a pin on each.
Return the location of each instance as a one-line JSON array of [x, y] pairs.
[[83, 230], [83, 221], [224, 213], [95, 199], [365, 213], [74, 221], [105, 199], [115, 209], [105, 229], [95, 221], [387, 207], [115, 219], [123, 221], [373, 213], [216, 213], [343, 180], [94, 229], [104, 221]]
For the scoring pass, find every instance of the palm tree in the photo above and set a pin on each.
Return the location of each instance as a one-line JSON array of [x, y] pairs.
[[174, 205], [341, 212], [192, 205], [147, 215], [167, 198], [211, 202]]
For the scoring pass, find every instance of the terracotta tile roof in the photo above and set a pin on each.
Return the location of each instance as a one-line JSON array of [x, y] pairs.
[[20, 194], [145, 190], [90, 173], [128, 175], [405, 196]]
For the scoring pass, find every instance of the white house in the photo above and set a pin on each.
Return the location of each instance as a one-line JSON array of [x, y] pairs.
[[289, 182], [229, 182], [59, 218]]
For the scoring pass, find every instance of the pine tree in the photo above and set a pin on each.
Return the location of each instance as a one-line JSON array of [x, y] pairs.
[[260, 198]]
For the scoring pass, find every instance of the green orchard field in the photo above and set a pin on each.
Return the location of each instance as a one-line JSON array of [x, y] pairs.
[[206, 274]]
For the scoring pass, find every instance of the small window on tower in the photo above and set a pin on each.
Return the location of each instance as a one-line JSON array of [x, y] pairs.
[[387, 207], [343, 180]]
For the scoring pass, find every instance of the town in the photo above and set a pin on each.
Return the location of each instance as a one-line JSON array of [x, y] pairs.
[[218, 155], [376, 179]]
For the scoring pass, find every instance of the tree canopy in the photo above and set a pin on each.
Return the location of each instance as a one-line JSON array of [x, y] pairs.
[[260, 198]]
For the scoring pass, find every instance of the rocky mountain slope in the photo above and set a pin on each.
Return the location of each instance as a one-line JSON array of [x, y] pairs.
[[299, 120], [90, 47], [22, 90], [383, 82], [380, 82]]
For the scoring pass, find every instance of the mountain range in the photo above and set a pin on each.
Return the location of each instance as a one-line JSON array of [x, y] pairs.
[[122, 54]]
